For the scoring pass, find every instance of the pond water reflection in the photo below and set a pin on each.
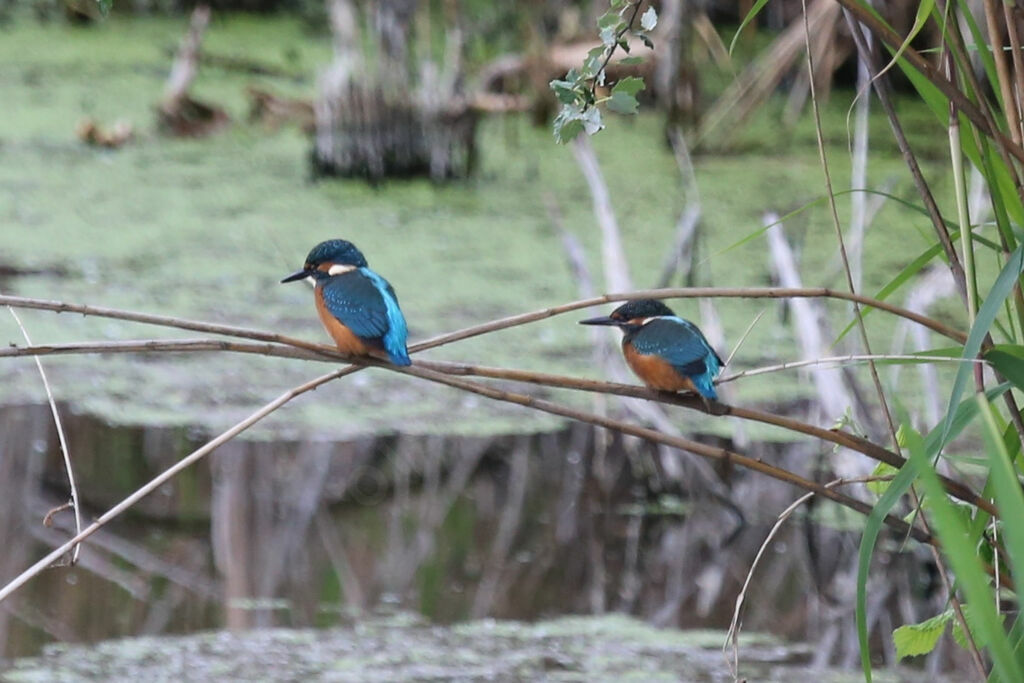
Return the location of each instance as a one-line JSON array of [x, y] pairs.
[[281, 533]]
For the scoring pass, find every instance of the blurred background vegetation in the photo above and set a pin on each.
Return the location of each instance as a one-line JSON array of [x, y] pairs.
[[180, 160]]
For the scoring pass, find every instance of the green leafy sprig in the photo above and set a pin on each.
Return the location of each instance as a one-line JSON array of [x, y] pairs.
[[577, 92]]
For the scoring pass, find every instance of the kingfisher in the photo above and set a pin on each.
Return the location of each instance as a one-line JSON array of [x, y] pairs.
[[665, 351], [357, 306]]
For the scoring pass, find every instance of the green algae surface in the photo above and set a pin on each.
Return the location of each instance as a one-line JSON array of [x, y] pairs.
[[403, 648], [204, 229]]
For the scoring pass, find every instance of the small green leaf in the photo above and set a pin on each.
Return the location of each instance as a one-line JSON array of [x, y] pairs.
[[958, 635], [649, 19], [608, 20], [591, 120], [568, 123], [882, 469], [566, 131], [565, 91], [646, 40], [1009, 361], [924, 8], [621, 103], [630, 61], [630, 85], [971, 618], [920, 639], [608, 36]]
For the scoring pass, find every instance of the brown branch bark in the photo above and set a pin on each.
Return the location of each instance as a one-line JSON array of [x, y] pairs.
[[703, 450], [697, 448], [328, 354], [503, 323]]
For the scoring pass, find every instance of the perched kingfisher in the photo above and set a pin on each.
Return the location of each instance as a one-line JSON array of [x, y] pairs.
[[666, 352], [356, 305]]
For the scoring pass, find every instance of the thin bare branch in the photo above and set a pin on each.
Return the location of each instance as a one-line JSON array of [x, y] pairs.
[[861, 358], [835, 436], [1002, 70], [851, 285], [1010, 15], [882, 90], [743, 337], [697, 448], [327, 354], [502, 323], [163, 477], [496, 394], [61, 438], [733, 634]]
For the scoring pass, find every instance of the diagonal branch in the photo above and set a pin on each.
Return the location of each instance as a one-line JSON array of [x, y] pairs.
[[166, 475], [327, 354], [695, 447]]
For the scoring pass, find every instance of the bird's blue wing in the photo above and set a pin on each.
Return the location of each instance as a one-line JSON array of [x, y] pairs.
[[397, 332], [355, 300], [366, 304], [683, 345], [677, 343]]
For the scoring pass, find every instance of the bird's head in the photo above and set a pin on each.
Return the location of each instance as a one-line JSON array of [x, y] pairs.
[[329, 258], [632, 315]]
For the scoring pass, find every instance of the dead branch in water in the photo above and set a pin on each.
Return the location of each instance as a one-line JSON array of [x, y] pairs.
[[807, 322], [179, 114]]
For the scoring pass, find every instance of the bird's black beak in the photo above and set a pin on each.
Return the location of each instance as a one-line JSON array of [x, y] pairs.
[[297, 275], [600, 320]]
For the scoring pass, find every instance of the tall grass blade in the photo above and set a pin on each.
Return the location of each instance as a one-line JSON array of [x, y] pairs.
[[986, 315], [961, 552]]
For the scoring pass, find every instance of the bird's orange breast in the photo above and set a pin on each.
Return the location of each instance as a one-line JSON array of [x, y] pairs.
[[347, 341], [655, 371]]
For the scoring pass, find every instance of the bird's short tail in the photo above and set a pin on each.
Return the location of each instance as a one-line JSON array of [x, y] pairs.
[[399, 358], [705, 382], [705, 386]]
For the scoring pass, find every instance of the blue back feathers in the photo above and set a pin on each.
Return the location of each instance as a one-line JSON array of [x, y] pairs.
[[683, 345]]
